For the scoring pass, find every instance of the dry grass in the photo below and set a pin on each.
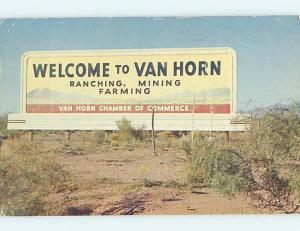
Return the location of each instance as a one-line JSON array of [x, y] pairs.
[[36, 178], [28, 177]]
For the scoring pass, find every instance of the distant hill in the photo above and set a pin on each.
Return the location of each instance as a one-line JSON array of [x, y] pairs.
[[282, 106]]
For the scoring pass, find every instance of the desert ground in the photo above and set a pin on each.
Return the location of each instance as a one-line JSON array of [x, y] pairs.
[[127, 178]]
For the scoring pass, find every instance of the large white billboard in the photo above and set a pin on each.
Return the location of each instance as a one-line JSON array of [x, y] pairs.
[[188, 88]]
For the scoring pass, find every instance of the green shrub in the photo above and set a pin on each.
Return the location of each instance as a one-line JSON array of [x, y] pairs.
[[210, 164], [276, 135], [28, 177], [264, 166]]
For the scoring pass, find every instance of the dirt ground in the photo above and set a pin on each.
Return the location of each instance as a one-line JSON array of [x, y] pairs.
[[124, 184], [109, 180]]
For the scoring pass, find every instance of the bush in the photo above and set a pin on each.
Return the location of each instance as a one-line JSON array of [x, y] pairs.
[[3, 125], [28, 177], [274, 148], [210, 164], [128, 132], [100, 137], [8, 133], [276, 135], [264, 167], [166, 139]]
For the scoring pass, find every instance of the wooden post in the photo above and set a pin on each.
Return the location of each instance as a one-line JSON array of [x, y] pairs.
[[193, 111], [69, 135], [31, 135], [227, 136], [193, 136], [153, 137], [1, 142]]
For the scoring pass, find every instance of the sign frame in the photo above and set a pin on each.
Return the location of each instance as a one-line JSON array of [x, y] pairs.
[[16, 121]]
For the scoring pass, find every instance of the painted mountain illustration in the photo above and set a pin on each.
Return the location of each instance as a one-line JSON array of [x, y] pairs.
[[45, 95], [215, 95]]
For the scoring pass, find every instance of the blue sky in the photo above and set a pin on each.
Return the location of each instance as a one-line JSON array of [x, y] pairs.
[[268, 48]]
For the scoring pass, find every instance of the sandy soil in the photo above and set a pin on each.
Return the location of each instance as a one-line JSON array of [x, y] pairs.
[[137, 182], [108, 180]]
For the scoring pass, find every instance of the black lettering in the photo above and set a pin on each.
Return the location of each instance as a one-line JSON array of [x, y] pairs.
[[124, 91], [150, 70], [93, 71], [80, 73], [139, 70], [93, 83], [147, 91], [177, 82], [176, 68], [142, 83], [52, 70], [215, 68], [202, 68], [60, 72], [67, 69], [119, 83], [162, 69], [190, 68], [105, 69], [41, 69]]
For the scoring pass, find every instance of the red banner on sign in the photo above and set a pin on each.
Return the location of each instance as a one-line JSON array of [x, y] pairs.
[[128, 108]]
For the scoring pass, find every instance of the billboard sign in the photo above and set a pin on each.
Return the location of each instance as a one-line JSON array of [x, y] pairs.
[[110, 84]]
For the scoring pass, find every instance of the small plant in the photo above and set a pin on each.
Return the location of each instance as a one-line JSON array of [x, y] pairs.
[[128, 132], [166, 139], [100, 137]]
